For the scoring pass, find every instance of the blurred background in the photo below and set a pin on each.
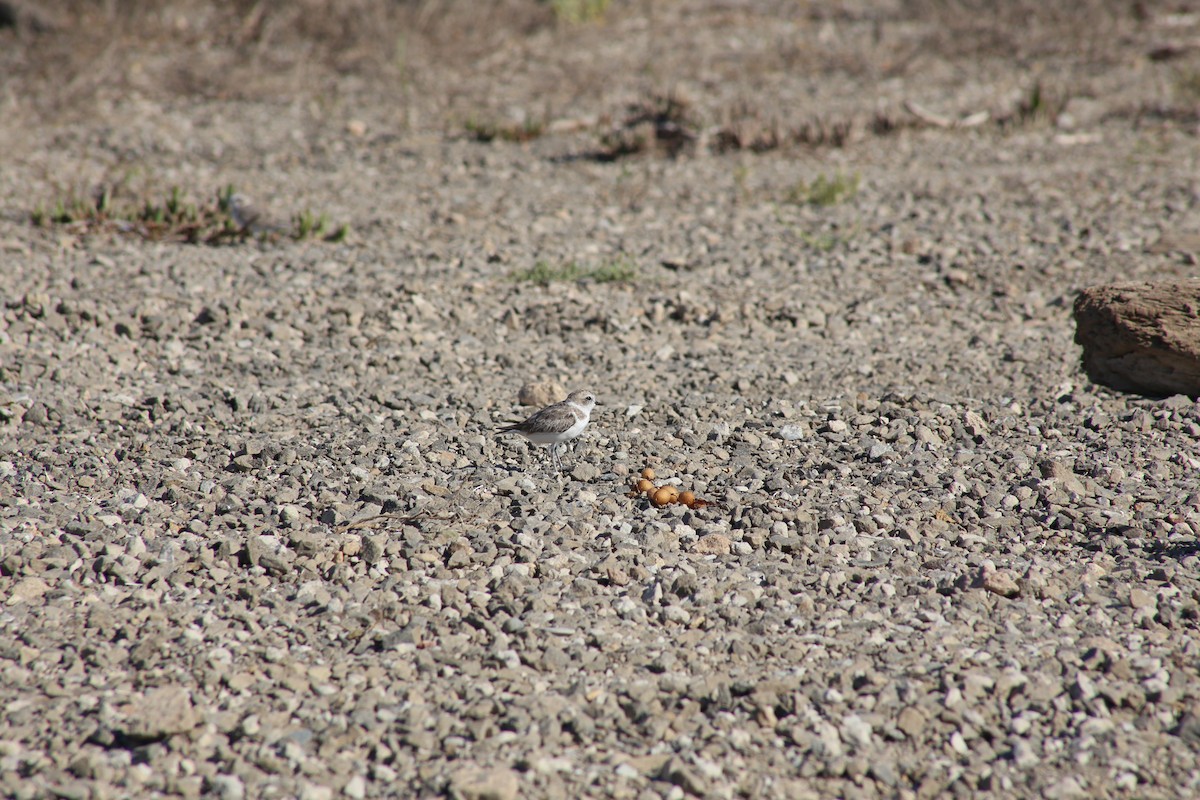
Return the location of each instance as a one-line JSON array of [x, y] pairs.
[[441, 60]]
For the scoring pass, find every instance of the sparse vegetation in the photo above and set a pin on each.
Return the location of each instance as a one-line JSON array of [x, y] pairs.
[[511, 132], [664, 122], [1034, 104], [1187, 85], [307, 225], [1039, 103], [825, 241], [741, 178], [618, 271], [885, 124], [543, 273], [824, 191], [175, 218], [578, 11], [821, 132], [747, 129], [667, 124]]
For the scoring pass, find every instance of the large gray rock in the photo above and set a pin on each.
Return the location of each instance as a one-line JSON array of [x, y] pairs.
[[1141, 337]]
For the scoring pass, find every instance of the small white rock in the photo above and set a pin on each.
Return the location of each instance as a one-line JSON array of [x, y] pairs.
[[791, 433], [355, 788]]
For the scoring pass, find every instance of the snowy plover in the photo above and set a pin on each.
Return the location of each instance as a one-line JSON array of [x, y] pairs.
[[557, 423]]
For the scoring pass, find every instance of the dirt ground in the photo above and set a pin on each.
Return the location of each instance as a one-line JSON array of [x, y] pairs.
[[259, 537]]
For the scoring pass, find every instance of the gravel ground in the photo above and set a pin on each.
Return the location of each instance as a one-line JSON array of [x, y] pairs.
[[258, 537]]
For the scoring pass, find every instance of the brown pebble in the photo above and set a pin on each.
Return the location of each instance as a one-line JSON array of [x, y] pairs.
[[1001, 582]]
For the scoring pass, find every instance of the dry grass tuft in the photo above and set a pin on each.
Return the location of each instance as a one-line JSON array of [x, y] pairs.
[[488, 131], [1023, 30], [74, 54], [662, 123]]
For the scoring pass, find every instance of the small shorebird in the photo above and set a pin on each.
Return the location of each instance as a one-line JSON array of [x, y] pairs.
[[557, 423]]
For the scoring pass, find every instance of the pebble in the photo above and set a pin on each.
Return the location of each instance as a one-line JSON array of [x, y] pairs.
[[791, 433], [713, 544], [227, 787], [911, 721], [1000, 582], [26, 589], [541, 393], [475, 783], [355, 788], [161, 712], [1140, 598]]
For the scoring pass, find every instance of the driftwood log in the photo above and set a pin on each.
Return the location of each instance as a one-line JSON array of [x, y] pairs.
[[1141, 337]]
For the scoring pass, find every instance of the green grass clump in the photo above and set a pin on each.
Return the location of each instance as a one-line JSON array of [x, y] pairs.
[[826, 241], [526, 131], [578, 11], [175, 218], [543, 273], [825, 191], [618, 271], [171, 218], [307, 225], [63, 213]]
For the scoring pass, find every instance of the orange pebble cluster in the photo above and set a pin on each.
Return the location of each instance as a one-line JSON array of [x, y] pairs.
[[664, 495]]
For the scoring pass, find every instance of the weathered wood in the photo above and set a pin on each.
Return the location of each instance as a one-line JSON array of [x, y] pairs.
[[1141, 337]]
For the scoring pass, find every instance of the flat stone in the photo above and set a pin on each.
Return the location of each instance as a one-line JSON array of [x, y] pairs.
[[585, 472], [912, 721], [1141, 598], [1001, 582], [355, 788], [713, 544], [26, 589], [162, 712], [541, 393], [476, 783], [791, 433]]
